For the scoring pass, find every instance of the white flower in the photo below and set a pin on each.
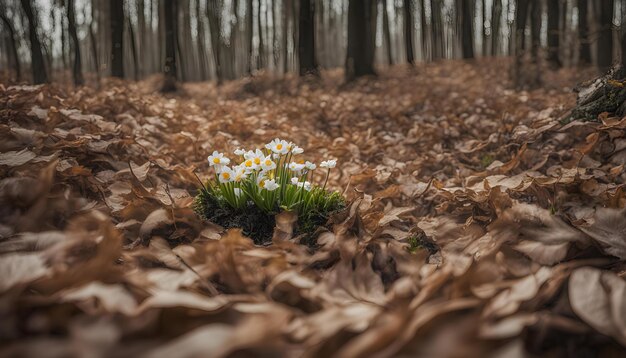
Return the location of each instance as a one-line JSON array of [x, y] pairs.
[[278, 146], [270, 185], [226, 174], [296, 167], [239, 151], [268, 164], [239, 173], [328, 163], [253, 159], [309, 165], [305, 184], [297, 150], [237, 192], [218, 159]]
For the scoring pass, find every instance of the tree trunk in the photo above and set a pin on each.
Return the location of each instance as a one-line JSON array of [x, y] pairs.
[[535, 33], [359, 61], [169, 70], [77, 66], [605, 35], [467, 32], [424, 29], [92, 40], [521, 14], [117, 38], [553, 34], [496, 14], [583, 33], [261, 61], [13, 46], [214, 10], [436, 30], [306, 39], [200, 43], [483, 27], [286, 11], [408, 31], [38, 66], [141, 38], [249, 32], [133, 49], [387, 33]]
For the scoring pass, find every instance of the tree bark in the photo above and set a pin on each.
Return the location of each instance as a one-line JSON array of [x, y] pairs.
[[77, 73], [169, 70], [261, 61], [496, 14], [306, 39], [583, 33], [117, 38], [214, 10], [553, 34], [13, 46], [92, 40], [133, 49], [483, 27], [250, 33], [605, 36], [200, 43], [387, 33], [408, 31], [38, 66], [521, 14], [467, 32], [424, 29], [359, 60], [286, 11], [436, 30]]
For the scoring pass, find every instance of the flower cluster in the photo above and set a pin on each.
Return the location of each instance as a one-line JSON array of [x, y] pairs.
[[274, 178]]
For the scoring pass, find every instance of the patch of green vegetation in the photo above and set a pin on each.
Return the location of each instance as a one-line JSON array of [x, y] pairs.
[[258, 224], [253, 221], [318, 210]]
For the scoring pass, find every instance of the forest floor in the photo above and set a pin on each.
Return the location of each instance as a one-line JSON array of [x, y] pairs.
[[479, 223]]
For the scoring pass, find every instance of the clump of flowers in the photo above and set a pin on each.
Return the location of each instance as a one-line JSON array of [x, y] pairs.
[[264, 183]]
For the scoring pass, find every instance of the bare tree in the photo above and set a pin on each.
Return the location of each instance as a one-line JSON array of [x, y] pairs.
[[359, 60], [467, 31], [387, 33], [605, 37], [38, 67], [553, 34], [306, 39], [77, 73], [408, 30], [583, 33], [12, 43], [117, 38], [169, 70]]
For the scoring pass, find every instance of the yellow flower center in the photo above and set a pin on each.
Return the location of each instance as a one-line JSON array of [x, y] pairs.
[[216, 160], [257, 161], [226, 175], [262, 184], [248, 163], [279, 146], [268, 162]]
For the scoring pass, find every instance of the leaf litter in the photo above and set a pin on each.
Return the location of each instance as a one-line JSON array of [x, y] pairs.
[[479, 224]]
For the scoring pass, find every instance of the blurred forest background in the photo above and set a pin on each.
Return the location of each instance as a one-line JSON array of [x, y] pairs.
[[199, 40]]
